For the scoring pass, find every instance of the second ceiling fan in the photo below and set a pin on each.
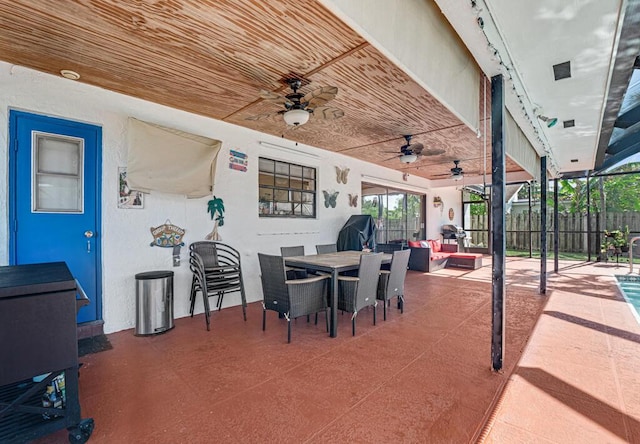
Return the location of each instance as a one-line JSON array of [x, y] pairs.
[[298, 107], [457, 173], [409, 152]]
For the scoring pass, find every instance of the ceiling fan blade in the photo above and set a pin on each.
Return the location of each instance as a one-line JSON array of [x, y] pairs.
[[433, 152], [415, 148], [273, 97], [264, 116], [319, 96], [328, 113]]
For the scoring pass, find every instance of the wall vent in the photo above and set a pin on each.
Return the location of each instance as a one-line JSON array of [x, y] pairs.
[[569, 123], [562, 70]]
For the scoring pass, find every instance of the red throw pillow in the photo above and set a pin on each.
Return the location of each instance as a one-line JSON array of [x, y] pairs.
[[414, 244], [437, 246], [431, 245]]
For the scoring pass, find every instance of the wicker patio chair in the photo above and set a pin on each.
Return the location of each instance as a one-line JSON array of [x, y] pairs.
[[355, 293], [216, 271], [327, 248], [293, 272], [392, 281], [290, 298]]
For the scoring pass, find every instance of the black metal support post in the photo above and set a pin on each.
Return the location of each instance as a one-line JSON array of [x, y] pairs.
[[530, 235], [543, 224], [497, 221], [556, 228], [588, 220]]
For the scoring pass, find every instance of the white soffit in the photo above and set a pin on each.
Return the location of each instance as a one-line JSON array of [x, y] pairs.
[[414, 35], [536, 36]]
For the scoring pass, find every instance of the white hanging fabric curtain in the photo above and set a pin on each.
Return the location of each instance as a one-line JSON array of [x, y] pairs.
[[170, 161], [518, 147]]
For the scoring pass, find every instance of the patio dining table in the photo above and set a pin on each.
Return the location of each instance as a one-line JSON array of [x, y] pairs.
[[333, 263]]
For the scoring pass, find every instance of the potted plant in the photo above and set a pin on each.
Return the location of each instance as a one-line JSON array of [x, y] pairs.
[[624, 240], [616, 241]]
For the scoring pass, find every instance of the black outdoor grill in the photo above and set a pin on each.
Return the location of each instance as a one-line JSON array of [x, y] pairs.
[[454, 232], [38, 308]]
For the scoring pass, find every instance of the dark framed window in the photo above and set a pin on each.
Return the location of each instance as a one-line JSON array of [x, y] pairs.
[[286, 189]]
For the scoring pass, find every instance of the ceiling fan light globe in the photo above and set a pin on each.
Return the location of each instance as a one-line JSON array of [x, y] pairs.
[[456, 176], [408, 158], [296, 117]]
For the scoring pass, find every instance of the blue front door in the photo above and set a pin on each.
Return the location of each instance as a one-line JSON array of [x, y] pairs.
[[54, 209]]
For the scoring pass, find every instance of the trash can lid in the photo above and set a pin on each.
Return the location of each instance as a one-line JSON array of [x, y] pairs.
[[154, 275]]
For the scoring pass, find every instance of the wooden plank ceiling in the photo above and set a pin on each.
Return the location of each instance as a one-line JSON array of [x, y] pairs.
[[213, 57]]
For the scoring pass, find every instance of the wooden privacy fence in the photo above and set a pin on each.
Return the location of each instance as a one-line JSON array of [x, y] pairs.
[[572, 235]]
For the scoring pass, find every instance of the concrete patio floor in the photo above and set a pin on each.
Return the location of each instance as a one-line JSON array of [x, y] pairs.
[[577, 380], [421, 376]]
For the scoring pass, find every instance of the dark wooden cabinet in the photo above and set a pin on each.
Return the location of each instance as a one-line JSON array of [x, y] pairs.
[[38, 336]]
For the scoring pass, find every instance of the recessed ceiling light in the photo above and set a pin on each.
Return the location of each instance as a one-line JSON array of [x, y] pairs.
[[574, 160], [68, 74], [569, 123], [562, 70]]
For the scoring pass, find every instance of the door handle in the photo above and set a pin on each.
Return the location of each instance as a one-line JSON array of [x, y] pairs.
[[88, 234]]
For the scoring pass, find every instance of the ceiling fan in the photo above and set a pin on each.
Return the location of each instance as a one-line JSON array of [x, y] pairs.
[[456, 172], [409, 152], [298, 107]]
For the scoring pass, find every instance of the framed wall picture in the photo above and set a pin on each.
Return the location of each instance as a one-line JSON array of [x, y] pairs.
[[128, 198]]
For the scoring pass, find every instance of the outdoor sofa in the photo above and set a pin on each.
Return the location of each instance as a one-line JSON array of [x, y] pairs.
[[432, 255]]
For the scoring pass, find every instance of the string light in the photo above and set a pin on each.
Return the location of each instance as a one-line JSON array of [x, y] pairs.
[[508, 68]]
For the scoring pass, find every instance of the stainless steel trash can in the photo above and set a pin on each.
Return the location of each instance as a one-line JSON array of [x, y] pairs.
[[154, 302]]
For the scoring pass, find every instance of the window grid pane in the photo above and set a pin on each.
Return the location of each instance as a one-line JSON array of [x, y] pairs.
[[280, 189]]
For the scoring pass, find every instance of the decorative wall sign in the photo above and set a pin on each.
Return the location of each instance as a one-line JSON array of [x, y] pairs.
[[451, 214], [342, 174], [353, 200], [238, 161], [128, 198], [330, 198], [167, 235]]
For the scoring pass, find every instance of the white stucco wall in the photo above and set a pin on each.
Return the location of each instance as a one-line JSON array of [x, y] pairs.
[[438, 216], [125, 235]]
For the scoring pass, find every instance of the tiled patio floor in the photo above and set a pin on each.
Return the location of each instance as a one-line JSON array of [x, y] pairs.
[[423, 376]]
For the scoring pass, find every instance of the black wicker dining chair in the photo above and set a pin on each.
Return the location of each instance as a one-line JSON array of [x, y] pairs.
[[326, 248], [355, 293], [290, 297], [293, 272], [391, 282], [216, 271]]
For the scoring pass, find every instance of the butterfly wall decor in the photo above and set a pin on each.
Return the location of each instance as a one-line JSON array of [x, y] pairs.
[[342, 174], [330, 198], [353, 200]]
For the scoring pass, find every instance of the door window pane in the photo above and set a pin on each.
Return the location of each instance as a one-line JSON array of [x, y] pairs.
[[57, 174]]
